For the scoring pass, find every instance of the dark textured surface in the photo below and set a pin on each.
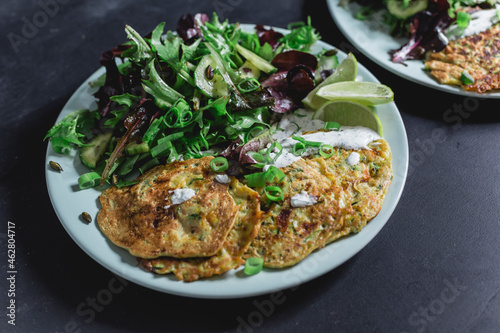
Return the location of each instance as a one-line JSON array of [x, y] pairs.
[[434, 267]]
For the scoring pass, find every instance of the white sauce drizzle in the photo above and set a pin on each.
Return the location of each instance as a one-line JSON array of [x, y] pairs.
[[303, 199], [180, 195], [480, 21], [223, 179], [353, 159], [348, 137]]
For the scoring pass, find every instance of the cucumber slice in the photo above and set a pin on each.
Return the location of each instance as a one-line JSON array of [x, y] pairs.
[[402, 11], [249, 70], [91, 154], [212, 85], [256, 60]]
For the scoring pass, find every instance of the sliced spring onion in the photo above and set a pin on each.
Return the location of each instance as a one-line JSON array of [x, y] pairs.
[[257, 179], [254, 132], [466, 78], [363, 13], [299, 149], [161, 149], [298, 138], [149, 164], [88, 180], [260, 159], [274, 145], [253, 265], [331, 125], [274, 193], [312, 144], [275, 173], [219, 164], [326, 151], [248, 85]]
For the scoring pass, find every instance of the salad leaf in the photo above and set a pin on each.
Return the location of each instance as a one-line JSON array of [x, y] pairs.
[[164, 96], [69, 131], [301, 37], [427, 31]]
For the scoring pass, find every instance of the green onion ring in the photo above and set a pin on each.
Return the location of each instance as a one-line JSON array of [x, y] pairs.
[[251, 84], [253, 265], [324, 148], [271, 192], [299, 149], [258, 130], [219, 164], [89, 180], [274, 145]]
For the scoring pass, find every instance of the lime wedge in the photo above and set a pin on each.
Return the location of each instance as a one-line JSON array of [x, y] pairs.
[[349, 114], [366, 93], [346, 71]]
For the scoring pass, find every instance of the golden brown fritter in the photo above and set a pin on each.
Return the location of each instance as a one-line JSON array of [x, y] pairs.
[[347, 198], [246, 227], [142, 218], [478, 55]]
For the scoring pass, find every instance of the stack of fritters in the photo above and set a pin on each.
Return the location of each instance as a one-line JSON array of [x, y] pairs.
[[222, 224]]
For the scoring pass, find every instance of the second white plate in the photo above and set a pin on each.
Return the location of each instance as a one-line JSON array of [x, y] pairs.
[[372, 38]]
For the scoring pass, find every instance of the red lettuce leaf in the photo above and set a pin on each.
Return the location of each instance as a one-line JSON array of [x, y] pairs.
[[268, 36], [188, 28], [426, 33], [288, 60]]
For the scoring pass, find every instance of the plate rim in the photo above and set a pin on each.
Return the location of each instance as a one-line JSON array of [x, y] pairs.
[[120, 263], [341, 16]]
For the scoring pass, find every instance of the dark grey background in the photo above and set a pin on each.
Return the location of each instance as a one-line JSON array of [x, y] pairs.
[[433, 268]]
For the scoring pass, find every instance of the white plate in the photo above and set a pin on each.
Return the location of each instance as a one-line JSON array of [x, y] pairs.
[[69, 203], [372, 38]]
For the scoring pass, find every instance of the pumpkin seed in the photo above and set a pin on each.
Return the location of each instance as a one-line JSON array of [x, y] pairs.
[[55, 166], [209, 73], [86, 216]]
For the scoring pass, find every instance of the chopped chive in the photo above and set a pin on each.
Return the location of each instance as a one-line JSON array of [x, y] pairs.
[[219, 164], [253, 265]]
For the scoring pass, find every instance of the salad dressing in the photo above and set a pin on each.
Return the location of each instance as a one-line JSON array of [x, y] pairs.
[[303, 199], [480, 21], [300, 124]]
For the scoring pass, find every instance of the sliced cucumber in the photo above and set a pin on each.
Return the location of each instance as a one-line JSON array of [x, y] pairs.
[[258, 61], [248, 70], [91, 154], [210, 83], [404, 9]]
